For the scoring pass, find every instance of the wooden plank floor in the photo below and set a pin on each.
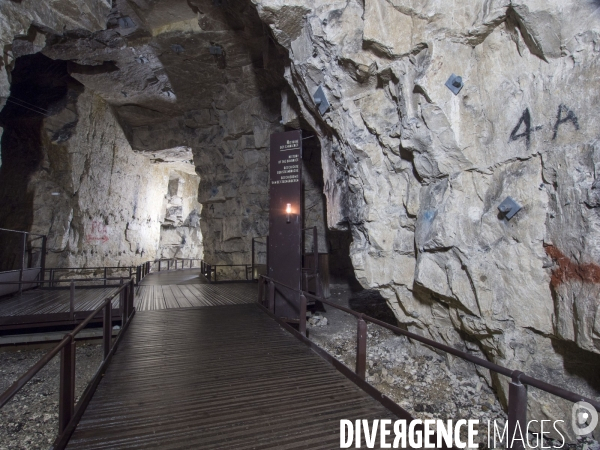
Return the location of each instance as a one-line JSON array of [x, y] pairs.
[[225, 377], [44, 301], [181, 276], [155, 297]]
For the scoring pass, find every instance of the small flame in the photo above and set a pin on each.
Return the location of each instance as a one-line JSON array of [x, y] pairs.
[[288, 209]]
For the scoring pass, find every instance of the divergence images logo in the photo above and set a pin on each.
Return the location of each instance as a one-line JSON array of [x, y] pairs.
[[584, 418]]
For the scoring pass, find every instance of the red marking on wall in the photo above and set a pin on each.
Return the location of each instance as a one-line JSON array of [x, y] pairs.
[[568, 270], [99, 232]]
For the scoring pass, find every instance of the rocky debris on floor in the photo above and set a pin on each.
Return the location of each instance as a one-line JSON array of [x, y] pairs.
[[30, 420], [426, 384], [316, 319]]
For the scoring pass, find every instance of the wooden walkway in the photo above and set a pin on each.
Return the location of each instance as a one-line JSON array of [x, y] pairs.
[[222, 377], [181, 276], [163, 290], [38, 305], [190, 295]]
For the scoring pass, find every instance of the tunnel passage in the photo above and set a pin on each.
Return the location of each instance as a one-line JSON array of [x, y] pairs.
[[40, 88]]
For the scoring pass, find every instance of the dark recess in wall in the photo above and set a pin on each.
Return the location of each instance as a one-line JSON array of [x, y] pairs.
[[39, 88], [338, 242]]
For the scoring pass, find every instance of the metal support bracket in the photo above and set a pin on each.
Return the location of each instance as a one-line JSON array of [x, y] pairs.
[[321, 100], [455, 83], [215, 49], [509, 207]]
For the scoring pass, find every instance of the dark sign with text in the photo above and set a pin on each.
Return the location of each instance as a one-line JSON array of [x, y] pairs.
[[285, 221]]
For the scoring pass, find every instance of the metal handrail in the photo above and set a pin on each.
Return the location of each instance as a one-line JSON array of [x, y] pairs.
[[78, 280], [231, 265], [23, 258], [91, 268], [69, 413], [23, 232], [518, 377]]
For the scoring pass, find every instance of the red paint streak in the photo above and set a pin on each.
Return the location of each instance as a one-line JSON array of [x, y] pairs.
[[568, 270]]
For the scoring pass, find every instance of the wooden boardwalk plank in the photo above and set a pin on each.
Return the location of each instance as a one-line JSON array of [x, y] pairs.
[[218, 377], [156, 297], [43, 301]]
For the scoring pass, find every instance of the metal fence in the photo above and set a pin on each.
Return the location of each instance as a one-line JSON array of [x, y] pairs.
[[517, 395], [19, 262], [69, 413]]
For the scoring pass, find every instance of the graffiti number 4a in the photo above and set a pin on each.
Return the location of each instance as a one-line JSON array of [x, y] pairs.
[[569, 116], [524, 129], [525, 121]]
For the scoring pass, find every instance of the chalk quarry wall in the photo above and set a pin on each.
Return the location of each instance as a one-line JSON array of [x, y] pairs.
[[417, 173]]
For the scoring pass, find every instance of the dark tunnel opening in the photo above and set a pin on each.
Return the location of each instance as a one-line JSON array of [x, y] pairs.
[[39, 89]]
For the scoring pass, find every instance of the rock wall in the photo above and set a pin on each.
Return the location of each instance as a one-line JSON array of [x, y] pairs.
[[25, 19], [417, 173], [109, 204], [180, 235], [69, 172]]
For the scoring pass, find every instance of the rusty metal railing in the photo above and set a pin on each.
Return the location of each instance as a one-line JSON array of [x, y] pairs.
[[22, 263], [72, 288], [69, 413], [517, 395]]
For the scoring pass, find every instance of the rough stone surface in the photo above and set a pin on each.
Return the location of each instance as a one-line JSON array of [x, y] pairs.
[[180, 235], [21, 24], [417, 172]]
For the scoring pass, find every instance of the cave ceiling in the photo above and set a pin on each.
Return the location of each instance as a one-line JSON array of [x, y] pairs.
[[162, 62]]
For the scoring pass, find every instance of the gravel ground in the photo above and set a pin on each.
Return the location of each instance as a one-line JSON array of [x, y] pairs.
[[30, 420], [415, 377]]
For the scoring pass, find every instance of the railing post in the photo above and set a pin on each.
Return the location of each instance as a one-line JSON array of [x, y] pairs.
[[517, 412], [51, 277], [168, 264], [43, 261], [302, 324], [138, 274], [72, 301], [23, 253], [67, 384], [361, 348], [130, 299], [261, 290], [268, 272], [107, 329], [252, 260], [149, 267], [159, 265], [105, 275], [317, 272], [316, 250], [271, 299], [122, 305]]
